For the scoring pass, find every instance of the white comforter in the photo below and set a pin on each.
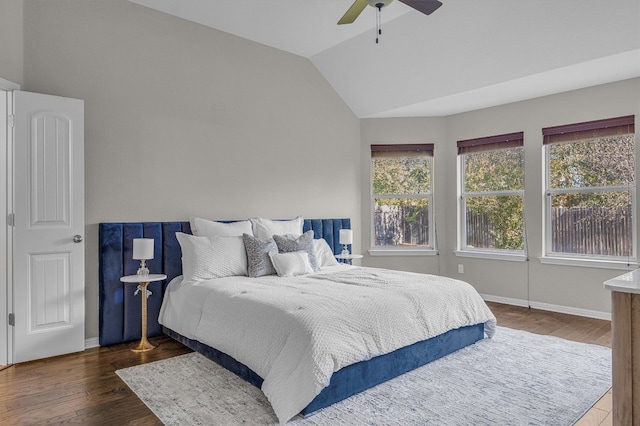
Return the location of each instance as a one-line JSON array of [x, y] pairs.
[[295, 332]]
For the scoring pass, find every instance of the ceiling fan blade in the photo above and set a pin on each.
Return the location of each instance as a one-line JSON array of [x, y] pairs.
[[425, 6], [354, 11]]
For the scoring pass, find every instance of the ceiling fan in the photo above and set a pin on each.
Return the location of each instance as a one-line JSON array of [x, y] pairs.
[[425, 6]]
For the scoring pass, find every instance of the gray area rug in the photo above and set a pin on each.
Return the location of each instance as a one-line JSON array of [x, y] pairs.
[[516, 378]]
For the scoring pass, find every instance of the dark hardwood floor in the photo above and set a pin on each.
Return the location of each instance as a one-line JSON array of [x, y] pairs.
[[571, 327], [79, 388], [83, 388]]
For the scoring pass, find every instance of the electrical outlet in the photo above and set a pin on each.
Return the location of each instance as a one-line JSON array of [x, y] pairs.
[[460, 268]]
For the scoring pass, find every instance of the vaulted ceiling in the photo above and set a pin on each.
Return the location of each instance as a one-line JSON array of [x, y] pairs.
[[469, 54]]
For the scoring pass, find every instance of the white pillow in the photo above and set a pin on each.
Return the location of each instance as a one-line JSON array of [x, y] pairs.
[[205, 258], [208, 228], [267, 228], [291, 264], [324, 254]]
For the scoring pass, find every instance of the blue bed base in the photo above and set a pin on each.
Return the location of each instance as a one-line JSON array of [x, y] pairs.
[[360, 376], [120, 314]]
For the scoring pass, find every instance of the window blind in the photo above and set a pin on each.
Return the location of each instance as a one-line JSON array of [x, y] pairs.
[[402, 150], [589, 130], [509, 140]]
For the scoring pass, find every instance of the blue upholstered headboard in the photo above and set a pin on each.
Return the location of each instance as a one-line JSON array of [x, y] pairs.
[[120, 314]]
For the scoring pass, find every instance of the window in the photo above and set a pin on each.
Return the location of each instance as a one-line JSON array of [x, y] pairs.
[[492, 194], [402, 196], [590, 189]]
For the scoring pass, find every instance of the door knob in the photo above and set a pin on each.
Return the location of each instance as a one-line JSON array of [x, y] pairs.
[[77, 238]]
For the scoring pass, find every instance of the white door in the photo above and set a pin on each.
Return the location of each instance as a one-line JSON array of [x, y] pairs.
[[48, 204]]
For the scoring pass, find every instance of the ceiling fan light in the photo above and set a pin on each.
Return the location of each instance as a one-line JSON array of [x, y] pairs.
[[375, 3]]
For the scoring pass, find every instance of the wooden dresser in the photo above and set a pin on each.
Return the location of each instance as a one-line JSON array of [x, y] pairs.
[[625, 325]]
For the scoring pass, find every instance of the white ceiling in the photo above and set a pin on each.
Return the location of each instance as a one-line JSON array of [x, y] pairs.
[[469, 54]]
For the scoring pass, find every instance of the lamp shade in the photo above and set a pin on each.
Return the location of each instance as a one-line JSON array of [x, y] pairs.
[[346, 236], [143, 248]]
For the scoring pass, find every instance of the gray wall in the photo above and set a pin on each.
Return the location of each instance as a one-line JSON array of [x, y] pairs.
[[577, 288], [183, 120], [11, 35]]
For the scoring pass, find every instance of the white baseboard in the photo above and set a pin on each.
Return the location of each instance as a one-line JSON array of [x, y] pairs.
[[505, 300], [549, 307], [94, 342], [572, 311]]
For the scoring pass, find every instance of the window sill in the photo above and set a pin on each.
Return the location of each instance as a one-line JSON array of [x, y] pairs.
[[493, 255], [589, 263], [400, 251]]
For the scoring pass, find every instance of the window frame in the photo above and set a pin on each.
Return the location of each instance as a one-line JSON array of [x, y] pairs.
[[476, 145], [431, 249], [575, 132]]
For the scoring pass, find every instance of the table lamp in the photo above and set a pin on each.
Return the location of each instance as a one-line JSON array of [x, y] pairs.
[[143, 250], [346, 238]]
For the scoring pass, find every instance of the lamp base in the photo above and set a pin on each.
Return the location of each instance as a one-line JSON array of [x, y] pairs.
[[345, 250], [144, 346], [143, 271]]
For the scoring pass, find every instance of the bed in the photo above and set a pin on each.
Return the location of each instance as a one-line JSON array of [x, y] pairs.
[[120, 315]]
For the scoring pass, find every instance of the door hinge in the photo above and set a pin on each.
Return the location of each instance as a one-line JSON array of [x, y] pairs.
[[12, 319], [11, 219], [11, 120]]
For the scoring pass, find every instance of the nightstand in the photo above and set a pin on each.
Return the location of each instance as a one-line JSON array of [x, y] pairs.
[[143, 281], [348, 257]]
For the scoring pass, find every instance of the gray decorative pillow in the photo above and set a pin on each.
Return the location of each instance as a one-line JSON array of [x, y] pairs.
[[259, 262], [291, 243]]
